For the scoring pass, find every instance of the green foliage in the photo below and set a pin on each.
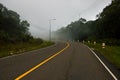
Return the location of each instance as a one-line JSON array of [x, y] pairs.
[[108, 22], [112, 53], [16, 48], [78, 30], [105, 28], [12, 29]]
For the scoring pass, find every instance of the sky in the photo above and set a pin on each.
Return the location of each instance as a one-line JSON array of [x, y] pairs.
[[39, 12]]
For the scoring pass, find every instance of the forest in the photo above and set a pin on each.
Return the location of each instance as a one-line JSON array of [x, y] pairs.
[[12, 28], [105, 28], [15, 36]]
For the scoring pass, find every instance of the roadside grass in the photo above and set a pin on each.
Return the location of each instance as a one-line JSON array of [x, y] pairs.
[[112, 53], [17, 48]]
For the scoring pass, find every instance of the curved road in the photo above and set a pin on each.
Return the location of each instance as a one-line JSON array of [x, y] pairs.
[[71, 61]]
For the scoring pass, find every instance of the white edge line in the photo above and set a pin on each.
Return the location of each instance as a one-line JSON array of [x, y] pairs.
[[115, 78]]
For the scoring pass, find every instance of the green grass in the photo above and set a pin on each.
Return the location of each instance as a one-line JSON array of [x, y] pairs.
[[11, 49], [112, 53]]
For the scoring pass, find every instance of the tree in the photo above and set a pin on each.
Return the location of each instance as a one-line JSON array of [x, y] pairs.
[[77, 30], [109, 20], [11, 27]]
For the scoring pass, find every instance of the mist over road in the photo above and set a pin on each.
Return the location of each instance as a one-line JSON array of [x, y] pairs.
[[75, 62]]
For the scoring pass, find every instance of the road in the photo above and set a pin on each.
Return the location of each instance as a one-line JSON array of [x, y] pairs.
[[71, 61]]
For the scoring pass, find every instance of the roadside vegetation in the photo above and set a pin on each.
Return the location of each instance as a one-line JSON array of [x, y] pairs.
[[110, 52], [15, 36], [10, 49], [106, 28]]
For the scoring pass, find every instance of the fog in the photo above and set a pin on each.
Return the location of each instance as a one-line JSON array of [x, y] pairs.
[[39, 12]]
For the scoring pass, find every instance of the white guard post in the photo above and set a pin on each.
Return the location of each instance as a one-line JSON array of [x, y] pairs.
[[103, 45]]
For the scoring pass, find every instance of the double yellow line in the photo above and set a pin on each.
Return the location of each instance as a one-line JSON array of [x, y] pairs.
[[40, 64]]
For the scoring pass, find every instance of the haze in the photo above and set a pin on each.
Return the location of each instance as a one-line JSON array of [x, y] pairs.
[[39, 12]]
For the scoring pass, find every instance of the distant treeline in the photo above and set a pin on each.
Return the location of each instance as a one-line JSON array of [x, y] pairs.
[[106, 27], [12, 28]]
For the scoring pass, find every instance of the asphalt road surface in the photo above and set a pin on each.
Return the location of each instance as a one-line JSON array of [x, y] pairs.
[[62, 61]]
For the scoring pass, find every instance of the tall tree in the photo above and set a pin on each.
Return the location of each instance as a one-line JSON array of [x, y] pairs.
[[11, 27]]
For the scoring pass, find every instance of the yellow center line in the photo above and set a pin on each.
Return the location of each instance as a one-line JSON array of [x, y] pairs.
[[40, 64]]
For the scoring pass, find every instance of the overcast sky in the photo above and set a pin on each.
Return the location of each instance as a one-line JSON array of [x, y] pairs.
[[39, 12]]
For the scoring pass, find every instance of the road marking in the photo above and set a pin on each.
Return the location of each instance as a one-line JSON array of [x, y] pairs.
[[40, 64], [115, 78]]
